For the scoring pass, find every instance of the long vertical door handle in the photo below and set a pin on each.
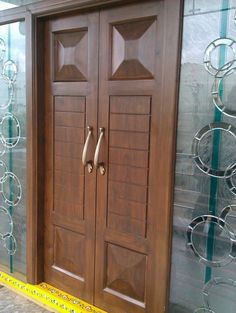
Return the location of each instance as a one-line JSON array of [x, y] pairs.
[[97, 164], [88, 164]]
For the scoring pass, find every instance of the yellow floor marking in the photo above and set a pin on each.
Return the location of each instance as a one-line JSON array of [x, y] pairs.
[[49, 296]]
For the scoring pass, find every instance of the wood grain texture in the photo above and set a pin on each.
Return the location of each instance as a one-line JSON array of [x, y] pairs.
[[137, 108], [69, 223]]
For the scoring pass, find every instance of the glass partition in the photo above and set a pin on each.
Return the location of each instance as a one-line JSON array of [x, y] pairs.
[[203, 276], [8, 4], [12, 148]]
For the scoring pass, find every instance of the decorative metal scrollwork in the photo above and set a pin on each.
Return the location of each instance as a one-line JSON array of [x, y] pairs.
[[217, 281], [4, 170], [223, 227], [2, 49], [229, 180], [230, 129], [216, 93], [228, 42], [9, 242], [6, 226], [11, 190], [11, 180], [10, 142], [9, 71], [203, 310]]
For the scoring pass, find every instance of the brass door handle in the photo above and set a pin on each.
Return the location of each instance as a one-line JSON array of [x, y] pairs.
[[97, 164], [88, 164]]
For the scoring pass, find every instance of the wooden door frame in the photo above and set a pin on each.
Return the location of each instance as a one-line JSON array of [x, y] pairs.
[[34, 15]]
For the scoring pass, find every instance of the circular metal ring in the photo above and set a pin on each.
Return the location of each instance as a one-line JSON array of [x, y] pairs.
[[196, 144], [203, 219], [216, 94], [3, 165], [9, 224], [215, 282], [229, 180], [10, 142], [2, 49], [2, 149], [9, 67], [210, 48], [10, 244], [12, 202], [203, 310], [10, 92], [226, 211]]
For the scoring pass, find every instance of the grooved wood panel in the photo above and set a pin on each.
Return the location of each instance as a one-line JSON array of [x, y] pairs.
[[68, 187], [129, 182], [137, 77], [71, 78]]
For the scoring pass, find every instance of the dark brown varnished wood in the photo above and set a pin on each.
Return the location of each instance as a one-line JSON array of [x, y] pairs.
[[71, 71], [137, 108]]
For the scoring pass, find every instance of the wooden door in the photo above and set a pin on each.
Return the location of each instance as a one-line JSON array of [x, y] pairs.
[[71, 81], [107, 233], [137, 75]]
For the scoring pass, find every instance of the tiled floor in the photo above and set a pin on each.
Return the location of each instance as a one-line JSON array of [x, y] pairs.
[[11, 302]]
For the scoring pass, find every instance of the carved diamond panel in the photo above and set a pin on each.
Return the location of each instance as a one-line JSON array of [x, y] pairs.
[[133, 49], [126, 272], [69, 252], [71, 56]]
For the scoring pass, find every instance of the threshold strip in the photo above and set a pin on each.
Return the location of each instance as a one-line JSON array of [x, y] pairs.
[[49, 296]]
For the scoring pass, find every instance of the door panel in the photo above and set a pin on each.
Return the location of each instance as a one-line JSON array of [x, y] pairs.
[[107, 232], [131, 242], [71, 71]]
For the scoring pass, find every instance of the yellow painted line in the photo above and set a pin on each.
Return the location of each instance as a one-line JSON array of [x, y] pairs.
[[49, 296]]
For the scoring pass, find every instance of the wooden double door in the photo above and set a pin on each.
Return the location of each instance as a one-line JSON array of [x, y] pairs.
[[110, 100]]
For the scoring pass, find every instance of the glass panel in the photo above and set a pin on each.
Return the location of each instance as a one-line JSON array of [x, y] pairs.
[[8, 4], [203, 275], [12, 148]]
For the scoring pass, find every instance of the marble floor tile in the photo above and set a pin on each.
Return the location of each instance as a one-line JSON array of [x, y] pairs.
[[11, 302]]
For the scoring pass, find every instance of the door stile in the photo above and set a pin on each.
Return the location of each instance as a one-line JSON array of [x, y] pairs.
[[137, 109], [71, 106]]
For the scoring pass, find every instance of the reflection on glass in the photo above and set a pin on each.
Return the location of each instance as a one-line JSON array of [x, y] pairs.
[[9, 4], [12, 149], [203, 275]]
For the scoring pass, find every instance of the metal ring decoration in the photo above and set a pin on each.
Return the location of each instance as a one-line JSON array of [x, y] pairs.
[[196, 144], [203, 310], [215, 282], [223, 227], [226, 211], [18, 196], [211, 47], [9, 85], [216, 95], [229, 180], [2, 49], [9, 67], [13, 141], [10, 223], [2, 149], [9, 242], [3, 165]]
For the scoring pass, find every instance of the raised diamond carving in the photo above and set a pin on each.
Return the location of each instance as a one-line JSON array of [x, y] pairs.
[[126, 272], [71, 56], [133, 49]]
